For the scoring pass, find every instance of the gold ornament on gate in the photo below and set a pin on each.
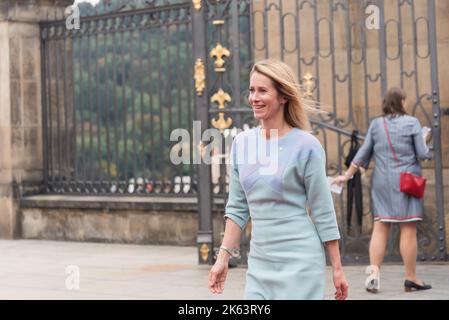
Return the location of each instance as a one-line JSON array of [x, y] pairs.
[[222, 123], [221, 98], [200, 77], [204, 250], [197, 4], [308, 86], [218, 53]]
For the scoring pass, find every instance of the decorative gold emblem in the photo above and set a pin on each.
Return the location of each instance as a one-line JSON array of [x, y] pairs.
[[197, 4], [204, 250], [221, 98], [221, 124], [218, 53], [200, 77], [308, 86]]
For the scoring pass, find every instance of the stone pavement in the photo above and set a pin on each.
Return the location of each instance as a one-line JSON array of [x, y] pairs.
[[33, 269]]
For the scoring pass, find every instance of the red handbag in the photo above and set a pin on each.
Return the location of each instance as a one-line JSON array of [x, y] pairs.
[[410, 184]]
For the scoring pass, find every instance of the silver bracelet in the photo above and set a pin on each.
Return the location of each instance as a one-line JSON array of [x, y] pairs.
[[348, 177], [227, 250]]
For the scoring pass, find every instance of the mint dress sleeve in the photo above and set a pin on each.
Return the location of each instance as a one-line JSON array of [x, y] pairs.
[[237, 206], [319, 196]]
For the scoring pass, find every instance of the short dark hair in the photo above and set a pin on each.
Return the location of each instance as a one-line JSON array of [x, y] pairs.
[[392, 103]]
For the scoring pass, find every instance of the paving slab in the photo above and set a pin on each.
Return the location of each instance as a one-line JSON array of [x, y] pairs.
[[37, 269]]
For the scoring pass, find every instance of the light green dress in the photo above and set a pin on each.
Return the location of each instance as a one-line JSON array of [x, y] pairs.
[[286, 258]]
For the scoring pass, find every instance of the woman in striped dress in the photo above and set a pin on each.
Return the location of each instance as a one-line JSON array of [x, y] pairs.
[[388, 204]]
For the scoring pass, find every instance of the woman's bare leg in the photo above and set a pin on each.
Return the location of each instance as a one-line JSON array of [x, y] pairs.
[[378, 243], [409, 250]]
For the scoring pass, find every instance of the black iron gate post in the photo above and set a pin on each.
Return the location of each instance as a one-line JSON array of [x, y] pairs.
[[436, 110], [205, 233]]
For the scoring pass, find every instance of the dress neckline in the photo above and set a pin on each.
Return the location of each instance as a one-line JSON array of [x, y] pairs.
[[259, 133]]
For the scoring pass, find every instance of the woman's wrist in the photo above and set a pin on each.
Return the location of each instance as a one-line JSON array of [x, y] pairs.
[[224, 253], [348, 176], [337, 268], [355, 165], [223, 256]]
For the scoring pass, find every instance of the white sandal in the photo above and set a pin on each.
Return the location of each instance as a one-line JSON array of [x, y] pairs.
[[372, 283]]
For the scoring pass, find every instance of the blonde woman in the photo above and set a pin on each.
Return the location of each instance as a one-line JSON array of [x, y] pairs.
[[286, 258]]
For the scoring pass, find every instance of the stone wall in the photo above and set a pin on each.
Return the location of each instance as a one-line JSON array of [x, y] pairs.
[[20, 100], [119, 220]]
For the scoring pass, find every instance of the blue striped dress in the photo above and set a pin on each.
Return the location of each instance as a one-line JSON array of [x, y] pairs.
[[388, 203], [276, 183]]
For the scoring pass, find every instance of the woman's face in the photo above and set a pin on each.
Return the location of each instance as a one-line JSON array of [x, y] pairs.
[[264, 98], [404, 104]]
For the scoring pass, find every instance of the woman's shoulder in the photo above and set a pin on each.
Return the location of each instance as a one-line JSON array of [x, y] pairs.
[[306, 142], [408, 121], [377, 120], [408, 118], [307, 137]]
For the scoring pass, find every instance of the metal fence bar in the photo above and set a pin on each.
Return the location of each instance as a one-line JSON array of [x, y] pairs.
[[44, 98], [436, 110], [50, 119], [82, 157], [91, 118], [133, 104], [179, 169], [106, 107], [116, 114], [75, 127], [99, 177], [150, 92], [159, 91], [382, 49], [67, 174], [117, 128], [142, 113], [58, 117], [124, 112]]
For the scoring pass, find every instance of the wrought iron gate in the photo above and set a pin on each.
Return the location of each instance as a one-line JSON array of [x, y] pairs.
[[346, 54], [114, 90]]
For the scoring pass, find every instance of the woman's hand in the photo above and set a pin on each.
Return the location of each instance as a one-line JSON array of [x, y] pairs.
[[341, 285], [218, 273], [426, 134], [340, 180]]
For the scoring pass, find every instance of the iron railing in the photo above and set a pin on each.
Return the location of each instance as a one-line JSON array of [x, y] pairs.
[[113, 91], [347, 65]]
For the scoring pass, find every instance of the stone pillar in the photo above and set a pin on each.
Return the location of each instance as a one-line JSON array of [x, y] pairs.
[[20, 100]]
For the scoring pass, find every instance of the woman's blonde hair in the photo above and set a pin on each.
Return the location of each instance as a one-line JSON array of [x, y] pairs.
[[285, 82]]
